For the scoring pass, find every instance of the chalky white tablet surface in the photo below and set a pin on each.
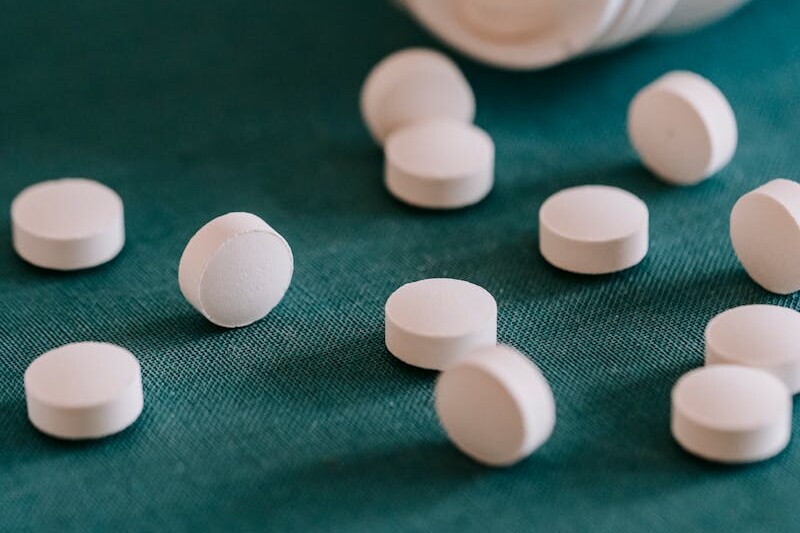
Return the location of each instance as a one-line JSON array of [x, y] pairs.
[[593, 229], [439, 164], [731, 414], [433, 322], [495, 406], [67, 224], [84, 390], [765, 232], [683, 128], [235, 269], [413, 85], [761, 336], [518, 34]]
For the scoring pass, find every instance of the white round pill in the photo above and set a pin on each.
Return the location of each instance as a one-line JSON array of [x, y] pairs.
[[84, 390], [731, 414], [761, 336], [765, 232], [593, 229], [439, 164], [413, 85], [495, 406], [433, 322], [235, 269], [67, 224], [683, 128]]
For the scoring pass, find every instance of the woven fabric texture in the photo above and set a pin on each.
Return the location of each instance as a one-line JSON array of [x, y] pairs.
[[303, 421]]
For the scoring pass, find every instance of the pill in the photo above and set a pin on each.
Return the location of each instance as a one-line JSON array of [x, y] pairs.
[[432, 322], [67, 224], [593, 229], [495, 405], [235, 270], [439, 164], [765, 232], [412, 85], [761, 336], [731, 414], [84, 390], [683, 128]]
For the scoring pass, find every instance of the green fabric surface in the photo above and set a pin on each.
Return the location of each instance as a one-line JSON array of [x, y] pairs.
[[303, 421]]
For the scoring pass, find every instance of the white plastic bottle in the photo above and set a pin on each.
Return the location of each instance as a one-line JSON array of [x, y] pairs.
[[534, 34]]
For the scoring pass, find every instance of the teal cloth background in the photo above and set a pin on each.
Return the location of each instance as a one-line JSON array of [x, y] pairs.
[[303, 421]]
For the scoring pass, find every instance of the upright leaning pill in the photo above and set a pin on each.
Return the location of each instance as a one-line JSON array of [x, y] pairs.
[[593, 229], [731, 414], [761, 336], [433, 322], [67, 224], [235, 269], [84, 390], [495, 405], [765, 232], [439, 164], [413, 85], [683, 128]]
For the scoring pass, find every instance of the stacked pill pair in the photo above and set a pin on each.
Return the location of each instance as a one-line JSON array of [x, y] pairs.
[[234, 270], [418, 105], [492, 401], [738, 407]]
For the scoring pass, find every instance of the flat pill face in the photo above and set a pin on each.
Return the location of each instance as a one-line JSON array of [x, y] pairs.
[[480, 415], [68, 224], [441, 150], [670, 136], [731, 414], [81, 374], [763, 336], [246, 278], [70, 208], [495, 405], [433, 322], [594, 213], [593, 229], [84, 390], [235, 269], [441, 307], [731, 398], [414, 85], [765, 233], [440, 164], [682, 127]]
